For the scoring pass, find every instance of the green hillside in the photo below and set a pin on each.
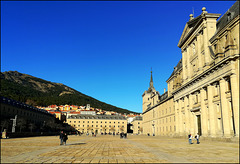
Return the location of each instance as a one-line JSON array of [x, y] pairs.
[[35, 91]]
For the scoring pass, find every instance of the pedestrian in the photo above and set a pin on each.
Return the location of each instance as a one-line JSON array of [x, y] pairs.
[[65, 138], [197, 137], [190, 139], [61, 137]]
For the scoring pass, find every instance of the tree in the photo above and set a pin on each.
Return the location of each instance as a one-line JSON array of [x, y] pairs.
[[121, 129], [21, 123], [32, 126], [4, 124], [112, 129]]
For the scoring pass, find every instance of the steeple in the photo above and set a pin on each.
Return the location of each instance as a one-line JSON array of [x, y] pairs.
[[151, 80], [151, 87]]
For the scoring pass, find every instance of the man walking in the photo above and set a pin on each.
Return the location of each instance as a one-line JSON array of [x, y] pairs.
[[197, 137], [190, 139], [61, 138]]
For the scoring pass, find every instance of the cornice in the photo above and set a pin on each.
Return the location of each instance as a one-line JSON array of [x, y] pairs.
[[206, 73], [161, 102]]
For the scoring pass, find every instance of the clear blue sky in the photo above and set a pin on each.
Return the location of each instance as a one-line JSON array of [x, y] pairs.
[[102, 49]]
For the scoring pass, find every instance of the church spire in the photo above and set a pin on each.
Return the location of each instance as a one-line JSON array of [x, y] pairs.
[[151, 80]]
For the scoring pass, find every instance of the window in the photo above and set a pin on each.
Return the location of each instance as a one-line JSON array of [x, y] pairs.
[[78, 121], [110, 122], [83, 121], [92, 121]]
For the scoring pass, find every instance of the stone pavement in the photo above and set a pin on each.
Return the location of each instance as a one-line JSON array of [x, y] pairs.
[[112, 149]]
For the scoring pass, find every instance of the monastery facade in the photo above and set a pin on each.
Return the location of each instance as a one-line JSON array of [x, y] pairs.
[[203, 90]]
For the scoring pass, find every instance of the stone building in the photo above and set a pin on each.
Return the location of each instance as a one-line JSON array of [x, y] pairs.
[[158, 112], [10, 108], [203, 90], [98, 123], [137, 125]]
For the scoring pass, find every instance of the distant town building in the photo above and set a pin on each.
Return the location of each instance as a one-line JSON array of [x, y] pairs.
[[98, 123], [88, 112], [137, 125]]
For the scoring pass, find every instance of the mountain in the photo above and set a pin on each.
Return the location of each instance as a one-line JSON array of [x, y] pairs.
[[38, 92]]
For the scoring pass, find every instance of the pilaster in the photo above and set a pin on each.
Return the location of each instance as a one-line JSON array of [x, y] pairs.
[[225, 110], [204, 117], [212, 112], [235, 101]]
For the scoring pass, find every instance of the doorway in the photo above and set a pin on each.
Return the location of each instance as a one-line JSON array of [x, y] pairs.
[[199, 125]]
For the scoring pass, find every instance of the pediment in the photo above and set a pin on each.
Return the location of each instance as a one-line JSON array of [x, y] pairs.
[[188, 28]]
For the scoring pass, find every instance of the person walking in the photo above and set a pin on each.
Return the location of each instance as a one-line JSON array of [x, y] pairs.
[[65, 138], [190, 139], [197, 137], [61, 137]]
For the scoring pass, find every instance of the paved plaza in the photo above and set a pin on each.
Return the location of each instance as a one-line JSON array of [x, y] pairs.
[[112, 149]]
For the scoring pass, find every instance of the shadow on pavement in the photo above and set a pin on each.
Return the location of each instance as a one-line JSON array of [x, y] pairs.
[[77, 143]]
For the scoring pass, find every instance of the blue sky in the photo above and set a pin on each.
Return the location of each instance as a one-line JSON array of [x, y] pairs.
[[104, 49]]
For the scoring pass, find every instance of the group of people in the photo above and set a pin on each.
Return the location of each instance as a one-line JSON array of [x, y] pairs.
[[190, 137], [63, 138], [123, 135]]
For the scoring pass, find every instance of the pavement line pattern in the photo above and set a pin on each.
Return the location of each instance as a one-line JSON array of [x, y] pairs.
[[160, 155], [112, 149]]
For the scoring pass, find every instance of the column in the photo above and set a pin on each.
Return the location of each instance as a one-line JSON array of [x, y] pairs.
[[225, 109], [191, 123], [235, 101], [204, 117], [184, 71], [186, 106], [180, 117], [212, 112], [176, 116], [188, 63]]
